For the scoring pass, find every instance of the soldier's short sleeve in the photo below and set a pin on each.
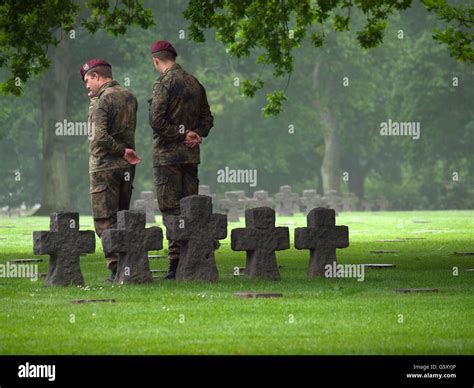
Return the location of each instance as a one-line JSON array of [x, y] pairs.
[[102, 109], [157, 114]]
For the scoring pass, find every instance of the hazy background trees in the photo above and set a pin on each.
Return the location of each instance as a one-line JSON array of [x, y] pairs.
[[329, 127]]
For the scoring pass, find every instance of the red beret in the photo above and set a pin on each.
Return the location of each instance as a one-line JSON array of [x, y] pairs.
[[91, 63], [163, 45]]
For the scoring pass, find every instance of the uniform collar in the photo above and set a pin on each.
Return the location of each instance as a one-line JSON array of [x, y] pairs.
[[105, 86], [172, 68]]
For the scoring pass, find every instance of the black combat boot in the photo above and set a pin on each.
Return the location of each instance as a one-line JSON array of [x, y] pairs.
[[111, 278], [171, 275], [112, 265]]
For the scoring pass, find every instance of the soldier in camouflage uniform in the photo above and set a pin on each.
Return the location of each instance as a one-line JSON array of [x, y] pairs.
[[112, 159], [180, 117]]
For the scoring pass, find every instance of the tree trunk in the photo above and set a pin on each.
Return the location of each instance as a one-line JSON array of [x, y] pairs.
[[357, 177], [330, 170], [53, 94]]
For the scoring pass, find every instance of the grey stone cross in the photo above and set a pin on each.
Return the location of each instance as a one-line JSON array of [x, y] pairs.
[[148, 204], [260, 199], [232, 204], [260, 239], [287, 202], [64, 244], [197, 230], [132, 241], [310, 200], [321, 237]]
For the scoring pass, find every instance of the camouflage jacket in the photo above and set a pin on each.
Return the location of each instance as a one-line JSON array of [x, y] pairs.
[[178, 103], [112, 121]]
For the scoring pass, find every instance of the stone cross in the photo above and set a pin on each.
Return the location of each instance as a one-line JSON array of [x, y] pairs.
[[148, 204], [310, 200], [321, 237], [64, 245], [333, 200], [232, 205], [132, 241], [206, 190], [260, 239], [197, 230], [260, 199], [243, 199], [349, 202], [287, 202]]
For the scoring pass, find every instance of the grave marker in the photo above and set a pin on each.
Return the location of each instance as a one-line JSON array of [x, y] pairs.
[[408, 290], [197, 229], [333, 200], [260, 239], [379, 266], [148, 204], [232, 205], [321, 237], [349, 202], [84, 301], [287, 202], [64, 244], [260, 199], [311, 200], [258, 295], [20, 261], [132, 241]]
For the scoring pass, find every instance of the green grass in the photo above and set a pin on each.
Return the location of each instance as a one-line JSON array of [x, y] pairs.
[[331, 316]]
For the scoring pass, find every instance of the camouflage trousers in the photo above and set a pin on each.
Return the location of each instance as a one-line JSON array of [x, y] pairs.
[[111, 191], [174, 182]]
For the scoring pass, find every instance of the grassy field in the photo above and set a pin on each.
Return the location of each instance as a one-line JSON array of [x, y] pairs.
[[315, 316]]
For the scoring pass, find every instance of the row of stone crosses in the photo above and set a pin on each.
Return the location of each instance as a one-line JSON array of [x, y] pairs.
[[285, 202], [197, 229]]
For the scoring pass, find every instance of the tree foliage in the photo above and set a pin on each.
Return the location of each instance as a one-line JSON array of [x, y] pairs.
[[402, 79], [29, 28], [275, 28]]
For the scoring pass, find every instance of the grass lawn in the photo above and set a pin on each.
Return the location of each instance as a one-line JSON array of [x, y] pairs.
[[315, 316]]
